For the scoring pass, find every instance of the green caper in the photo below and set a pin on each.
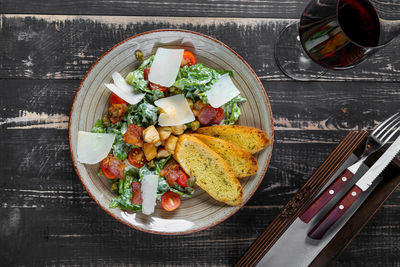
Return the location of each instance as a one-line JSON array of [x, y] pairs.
[[114, 187], [195, 125], [139, 55], [172, 89], [106, 120]]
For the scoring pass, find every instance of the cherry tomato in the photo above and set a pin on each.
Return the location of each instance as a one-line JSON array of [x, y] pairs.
[[137, 193], [112, 167], [170, 201], [137, 158], [219, 117], [114, 99], [182, 178], [146, 73], [134, 135], [188, 59], [154, 86]]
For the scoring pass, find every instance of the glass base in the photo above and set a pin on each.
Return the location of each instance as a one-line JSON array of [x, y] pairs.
[[291, 57]]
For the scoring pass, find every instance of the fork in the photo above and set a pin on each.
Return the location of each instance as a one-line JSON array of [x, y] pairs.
[[378, 138]]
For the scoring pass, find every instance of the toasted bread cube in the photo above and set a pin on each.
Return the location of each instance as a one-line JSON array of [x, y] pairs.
[[159, 143], [179, 129], [164, 132], [170, 144], [162, 153], [150, 135], [150, 151]]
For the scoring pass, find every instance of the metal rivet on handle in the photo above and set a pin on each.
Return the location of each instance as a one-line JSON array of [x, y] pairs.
[[353, 193], [341, 207], [344, 179], [331, 192]]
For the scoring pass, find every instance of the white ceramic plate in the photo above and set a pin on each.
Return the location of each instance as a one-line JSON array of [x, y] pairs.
[[91, 102]]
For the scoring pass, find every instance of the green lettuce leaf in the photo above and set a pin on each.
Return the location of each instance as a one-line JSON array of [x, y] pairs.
[[136, 77], [142, 114], [123, 200], [194, 80], [232, 110]]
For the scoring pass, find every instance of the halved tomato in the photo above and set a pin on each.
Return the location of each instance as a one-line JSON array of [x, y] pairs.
[[114, 99], [146, 73], [112, 167], [182, 178], [188, 59], [170, 201], [137, 158], [153, 86]]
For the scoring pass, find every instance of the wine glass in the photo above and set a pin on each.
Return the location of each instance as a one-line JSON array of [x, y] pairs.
[[335, 35]]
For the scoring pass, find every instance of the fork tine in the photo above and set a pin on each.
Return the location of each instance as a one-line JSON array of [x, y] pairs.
[[390, 136], [384, 123], [387, 125]]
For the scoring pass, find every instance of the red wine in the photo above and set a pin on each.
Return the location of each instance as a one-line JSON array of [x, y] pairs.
[[339, 33]]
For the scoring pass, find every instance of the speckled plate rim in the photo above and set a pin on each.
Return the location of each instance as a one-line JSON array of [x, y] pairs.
[[244, 200]]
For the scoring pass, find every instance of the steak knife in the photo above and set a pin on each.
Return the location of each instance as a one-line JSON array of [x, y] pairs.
[[348, 199]]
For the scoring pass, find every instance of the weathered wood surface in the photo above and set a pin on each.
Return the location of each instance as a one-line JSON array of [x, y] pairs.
[[71, 44], [46, 216], [177, 8]]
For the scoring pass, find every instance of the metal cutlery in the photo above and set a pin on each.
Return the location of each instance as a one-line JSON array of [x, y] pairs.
[[350, 197], [375, 141]]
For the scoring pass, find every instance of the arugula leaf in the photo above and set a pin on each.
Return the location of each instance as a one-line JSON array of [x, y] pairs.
[[232, 110], [142, 114], [123, 200], [197, 79], [136, 77]]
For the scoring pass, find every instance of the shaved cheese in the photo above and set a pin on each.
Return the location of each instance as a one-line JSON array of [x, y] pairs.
[[222, 91], [177, 111], [122, 89], [165, 66], [149, 193], [93, 147]]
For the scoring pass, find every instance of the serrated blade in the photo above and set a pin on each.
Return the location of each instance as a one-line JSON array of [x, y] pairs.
[[368, 178]]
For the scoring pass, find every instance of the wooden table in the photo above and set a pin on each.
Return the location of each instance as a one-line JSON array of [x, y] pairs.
[[46, 47]]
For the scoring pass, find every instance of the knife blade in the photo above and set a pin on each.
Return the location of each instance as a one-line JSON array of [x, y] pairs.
[[350, 197], [369, 177]]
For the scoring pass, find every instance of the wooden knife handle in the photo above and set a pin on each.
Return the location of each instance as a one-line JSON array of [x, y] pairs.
[[335, 213], [326, 196]]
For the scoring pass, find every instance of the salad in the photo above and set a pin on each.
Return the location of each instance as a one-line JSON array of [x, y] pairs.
[[139, 163]]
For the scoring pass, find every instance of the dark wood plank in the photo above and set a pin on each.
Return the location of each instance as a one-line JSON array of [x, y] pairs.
[[88, 236], [208, 8], [60, 47]]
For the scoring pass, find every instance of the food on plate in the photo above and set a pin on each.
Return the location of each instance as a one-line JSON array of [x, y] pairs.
[[210, 170], [242, 163], [144, 145], [250, 139]]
